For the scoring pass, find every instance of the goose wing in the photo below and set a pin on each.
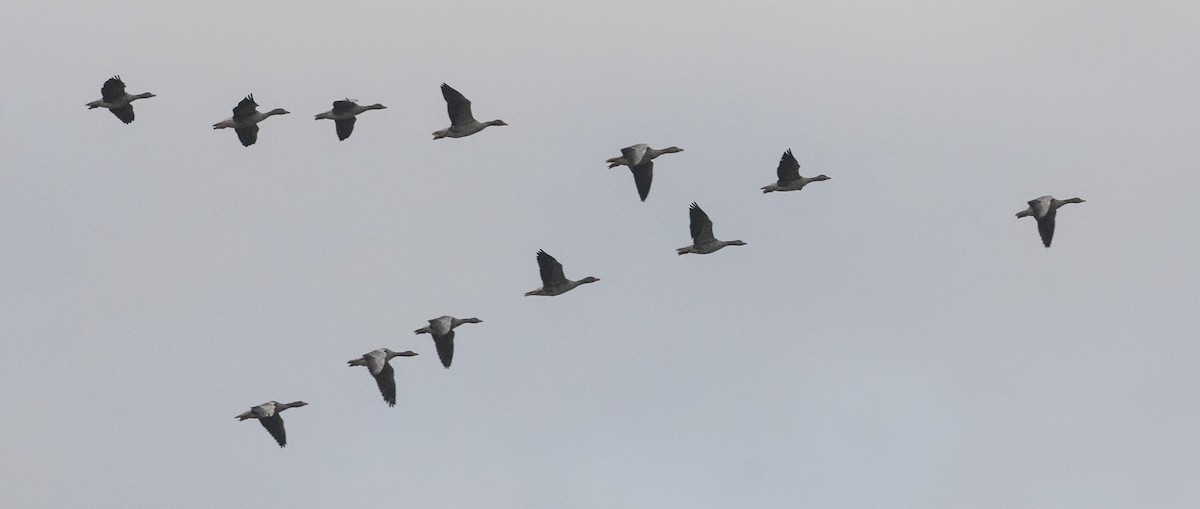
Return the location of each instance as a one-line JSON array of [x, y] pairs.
[[386, 380], [245, 110], [274, 426], [789, 168], [343, 107], [445, 348], [643, 175], [551, 270], [634, 154], [1041, 206], [113, 89], [248, 135], [457, 106], [701, 225], [1046, 227], [345, 126], [376, 360], [125, 113]]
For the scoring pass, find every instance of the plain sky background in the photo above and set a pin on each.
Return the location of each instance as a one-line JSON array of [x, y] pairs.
[[893, 337]]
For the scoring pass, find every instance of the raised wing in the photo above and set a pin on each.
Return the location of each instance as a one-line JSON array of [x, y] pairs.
[[457, 106], [1041, 206], [789, 168], [552, 271], [634, 154], [112, 90], [245, 109], [343, 107], [376, 360], [701, 226]]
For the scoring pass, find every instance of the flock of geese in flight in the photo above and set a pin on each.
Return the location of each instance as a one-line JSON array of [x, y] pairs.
[[638, 158]]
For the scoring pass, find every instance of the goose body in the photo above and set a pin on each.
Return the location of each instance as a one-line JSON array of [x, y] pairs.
[[703, 241], [344, 113], [1044, 210], [245, 120], [462, 121], [442, 330], [640, 160], [377, 364], [268, 415], [115, 99], [553, 280], [788, 174]]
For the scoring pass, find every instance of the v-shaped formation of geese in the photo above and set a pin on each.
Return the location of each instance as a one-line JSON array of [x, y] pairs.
[[442, 330], [640, 160], [789, 175], [268, 415], [1044, 209], [113, 97], [553, 280], [703, 241], [377, 364], [246, 118], [462, 122], [344, 113]]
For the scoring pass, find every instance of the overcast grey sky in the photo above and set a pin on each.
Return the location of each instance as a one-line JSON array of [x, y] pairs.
[[893, 337]]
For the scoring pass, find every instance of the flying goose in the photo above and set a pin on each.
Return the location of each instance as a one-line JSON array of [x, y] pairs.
[[343, 115], [442, 330], [639, 160], [462, 122], [377, 364], [246, 118], [789, 175], [113, 97], [703, 241], [553, 280], [268, 415], [1044, 209]]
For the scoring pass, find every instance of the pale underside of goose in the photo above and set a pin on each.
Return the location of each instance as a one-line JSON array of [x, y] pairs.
[[114, 98], [462, 121], [442, 330], [639, 158], [553, 280], [1044, 209], [268, 415], [245, 120], [344, 113], [381, 370], [788, 174], [703, 241]]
